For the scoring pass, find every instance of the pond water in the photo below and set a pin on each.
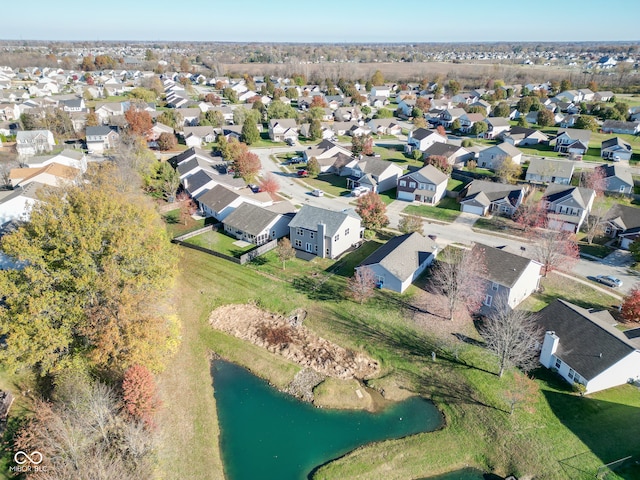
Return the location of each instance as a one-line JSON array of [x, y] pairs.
[[270, 435]]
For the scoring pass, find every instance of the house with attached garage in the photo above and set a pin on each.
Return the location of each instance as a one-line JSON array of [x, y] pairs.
[[481, 197], [616, 149], [567, 206], [468, 120], [492, 157], [325, 149], [282, 128], [374, 173], [496, 126], [384, 126], [508, 275], [454, 154], [571, 141], [623, 222], [101, 138], [615, 126], [325, 233], [521, 136], [197, 136], [400, 261], [32, 142], [422, 139], [220, 201], [255, 224], [450, 115], [427, 185], [550, 170], [617, 179], [583, 346]]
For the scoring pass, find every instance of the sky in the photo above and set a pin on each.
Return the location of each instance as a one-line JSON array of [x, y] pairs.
[[339, 21]]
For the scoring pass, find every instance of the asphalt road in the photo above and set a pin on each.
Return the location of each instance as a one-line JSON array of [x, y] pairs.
[[459, 232]]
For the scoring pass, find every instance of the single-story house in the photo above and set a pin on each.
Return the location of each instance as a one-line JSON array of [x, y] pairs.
[[255, 224], [623, 222], [550, 170], [508, 275], [616, 149], [400, 261], [325, 233], [567, 206], [374, 173], [521, 136], [426, 185], [455, 154], [52, 174], [481, 197], [583, 346], [324, 149], [16, 204], [616, 126], [617, 179]]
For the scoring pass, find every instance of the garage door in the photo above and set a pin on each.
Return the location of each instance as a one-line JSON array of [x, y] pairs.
[[472, 209]]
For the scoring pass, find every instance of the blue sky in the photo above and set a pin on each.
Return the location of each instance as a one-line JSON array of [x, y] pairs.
[[322, 21]]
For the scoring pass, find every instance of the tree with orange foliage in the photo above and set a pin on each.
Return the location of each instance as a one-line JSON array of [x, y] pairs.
[[318, 101], [246, 164], [139, 394], [440, 129], [631, 306], [139, 120], [269, 184]]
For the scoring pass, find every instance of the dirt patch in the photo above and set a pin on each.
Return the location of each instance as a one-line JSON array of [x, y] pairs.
[[279, 335]]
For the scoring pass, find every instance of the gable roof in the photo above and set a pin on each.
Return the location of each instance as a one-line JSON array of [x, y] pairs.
[[527, 132], [615, 141], [422, 133], [626, 217], [550, 167], [588, 342], [309, 217], [576, 134], [492, 191], [501, 266], [375, 166], [403, 254], [578, 195], [498, 121], [616, 171], [218, 198], [250, 218], [428, 174], [443, 149]]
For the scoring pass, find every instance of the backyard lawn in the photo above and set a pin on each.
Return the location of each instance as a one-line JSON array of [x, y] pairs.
[[446, 211], [219, 242], [179, 225], [330, 183]]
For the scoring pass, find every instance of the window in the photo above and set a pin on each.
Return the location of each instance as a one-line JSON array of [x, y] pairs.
[[300, 232], [316, 249], [311, 235], [403, 183], [326, 252], [423, 186], [494, 286], [558, 363], [577, 378], [337, 237], [298, 243], [346, 232], [412, 184], [487, 300], [571, 373], [621, 188]]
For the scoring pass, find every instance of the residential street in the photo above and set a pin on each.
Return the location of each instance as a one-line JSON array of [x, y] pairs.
[[459, 232]]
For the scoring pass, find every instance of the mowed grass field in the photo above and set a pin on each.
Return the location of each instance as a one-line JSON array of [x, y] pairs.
[[541, 439]]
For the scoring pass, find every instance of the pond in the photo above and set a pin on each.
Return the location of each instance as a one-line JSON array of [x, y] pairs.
[[267, 434]]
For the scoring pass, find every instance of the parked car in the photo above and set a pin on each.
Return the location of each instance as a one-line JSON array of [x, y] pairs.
[[609, 281], [254, 188], [303, 173], [356, 192], [317, 193]]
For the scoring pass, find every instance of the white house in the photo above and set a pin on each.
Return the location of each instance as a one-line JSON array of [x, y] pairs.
[[401, 260], [422, 139], [32, 142], [583, 346], [16, 204], [550, 170], [492, 157], [101, 138], [255, 224], [283, 128], [374, 173]]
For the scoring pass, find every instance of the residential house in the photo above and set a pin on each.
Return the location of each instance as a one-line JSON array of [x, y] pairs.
[[492, 157], [53, 174], [496, 126], [623, 223], [325, 149], [32, 142], [468, 120], [198, 136], [616, 149], [572, 141], [508, 276], [384, 126], [521, 136], [9, 112], [71, 158], [422, 139], [281, 129], [373, 173], [325, 233], [190, 116], [604, 96], [219, 201], [407, 105], [617, 179], [550, 170], [454, 154], [106, 111], [255, 224], [616, 126], [101, 138], [16, 204], [450, 115], [400, 261], [73, 105], [426, 185], [481, 197], [583, 346], [380, 91], [567, 206]]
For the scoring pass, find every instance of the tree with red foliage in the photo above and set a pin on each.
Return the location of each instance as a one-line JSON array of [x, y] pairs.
[[595, 179], [246, 165], [440, 162], [269, 184], [139, 394], [423, 103], [361, 286], [367, 145], [318, 101], [440, 129], [631, 306], [167, 141], [555, 250], [372, 210], [531, 214], [213, 99], [139, 120]]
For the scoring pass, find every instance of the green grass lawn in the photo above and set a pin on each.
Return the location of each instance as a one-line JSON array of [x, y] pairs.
[[389, 196], [447, 210], [499, 224], [595, 250], [178, 225], [455, 185], [219, 242], [330, 183], [478, 432]]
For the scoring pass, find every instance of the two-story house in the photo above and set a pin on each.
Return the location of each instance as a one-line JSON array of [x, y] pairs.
[[572, 141], [427, 185], [422, 139], [492, 157], [623, 222], [374, 173], [101, 138], [550, 170], [325, 233], [32, 142], [450, 115], [496, 126], [281, 129], [468, 120], [567, 206]]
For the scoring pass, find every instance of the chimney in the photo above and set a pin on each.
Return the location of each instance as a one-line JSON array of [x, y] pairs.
[[321, 240], [549, 347]]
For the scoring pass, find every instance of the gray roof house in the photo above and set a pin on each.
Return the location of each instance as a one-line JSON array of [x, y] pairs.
[[426, 185], [616, 126], [255, 224], [492, 157], [550, 170], [572, 141], [325, 233], [423, 138], [219, 201], [455, 154], [32, 142], [584, 346], [374, 173], [567, 206], [520, 136], [481, 197], [617, 179], [508, 275], [401, 260], [496, 126], [623, 222], [616, 149]]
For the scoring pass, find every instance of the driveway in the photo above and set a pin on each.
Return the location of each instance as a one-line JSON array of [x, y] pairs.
[[466, 219]]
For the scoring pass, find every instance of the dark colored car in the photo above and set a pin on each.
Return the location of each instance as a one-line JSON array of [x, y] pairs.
[[609, 281]]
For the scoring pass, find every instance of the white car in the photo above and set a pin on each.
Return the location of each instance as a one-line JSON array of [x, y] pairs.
[[317, 193], [356, 192]]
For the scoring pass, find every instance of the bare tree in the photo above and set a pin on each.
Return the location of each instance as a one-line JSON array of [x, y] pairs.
[[458, 277], [595, 179], [285, 251], [594, 222], [512, 335], [410, 224], [361, 285], [522, 391], [555, 250]]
